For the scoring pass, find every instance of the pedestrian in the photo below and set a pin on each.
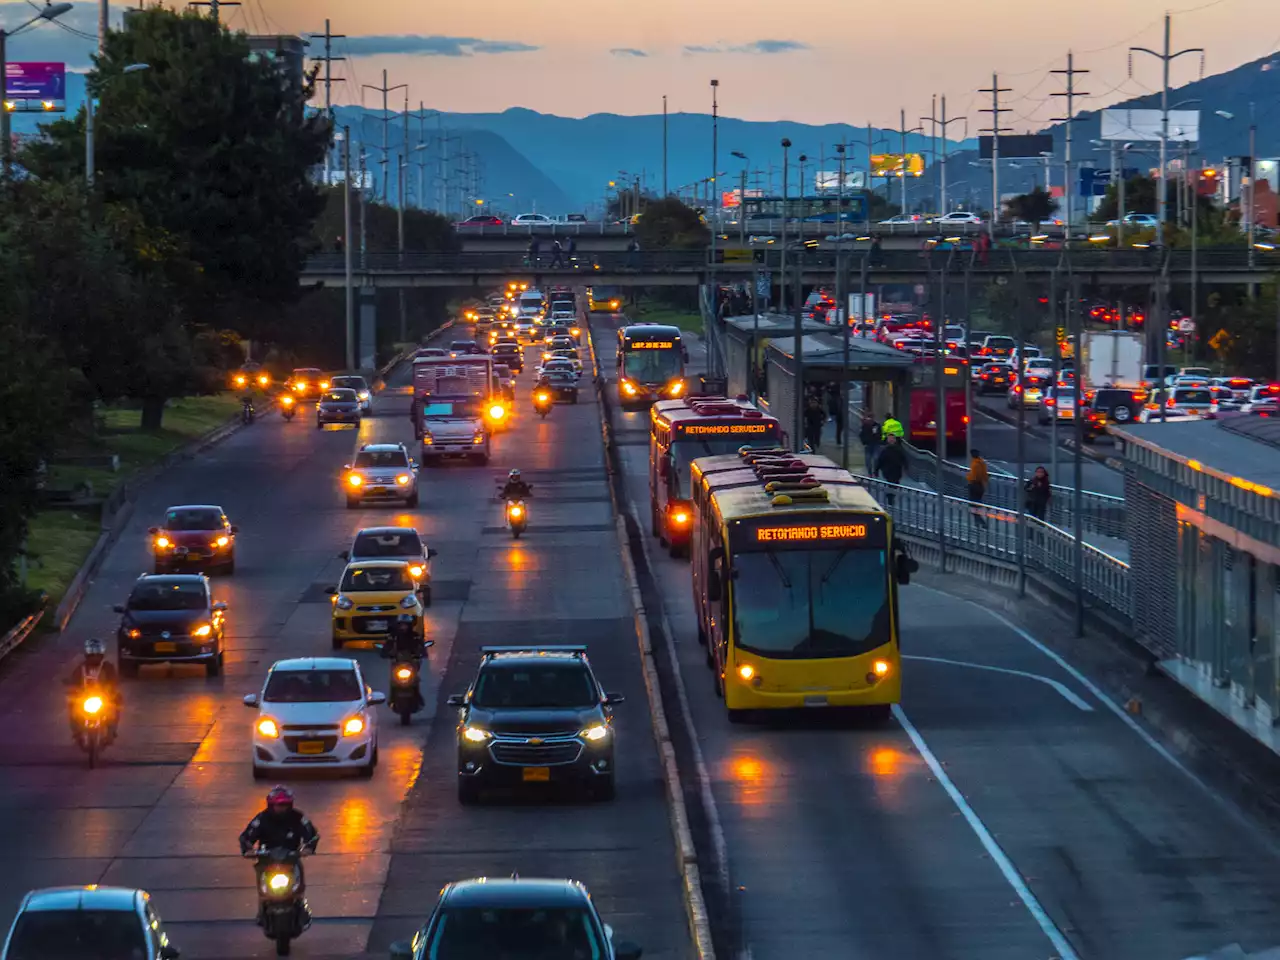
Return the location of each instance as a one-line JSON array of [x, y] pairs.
[[337, 244], [814, 419], [1039, 491], [571, 250], [891, 463], [891, 427], [982, 244], [876, 258], [835, 404], [533, 251], [557, 254], [869, 436], [978, 479]]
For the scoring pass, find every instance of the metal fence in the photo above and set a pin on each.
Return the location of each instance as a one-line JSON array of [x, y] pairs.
[[988, 531]]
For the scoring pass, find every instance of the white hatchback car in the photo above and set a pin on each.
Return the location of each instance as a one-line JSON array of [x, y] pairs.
[[91, 921], [315, 712]]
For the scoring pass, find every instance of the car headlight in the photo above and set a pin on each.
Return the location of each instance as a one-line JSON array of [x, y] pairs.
[[409, 602], [403, 479], [163, 543], [354, 479], [324, 384], [353, 727], [476, 735], [363, 394], [267, 728], [343, 602], [202, 631], [597, 732], [134, 633], [676, 387], [222, 541]]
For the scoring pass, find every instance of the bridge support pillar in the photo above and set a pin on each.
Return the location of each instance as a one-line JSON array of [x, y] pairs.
[[368, 342]]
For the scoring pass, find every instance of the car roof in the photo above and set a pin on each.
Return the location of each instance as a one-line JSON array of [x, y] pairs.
[[512, 891], [194, 506], [558, 653], [173, 578], [315, 663], [378, 563], [381, 447], [84, 898], [385, 530]]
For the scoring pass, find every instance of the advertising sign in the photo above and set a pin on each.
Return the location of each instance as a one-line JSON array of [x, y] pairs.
[[891, 164], [828, 181], [35, 87], [1022, 147], [1144, 125]]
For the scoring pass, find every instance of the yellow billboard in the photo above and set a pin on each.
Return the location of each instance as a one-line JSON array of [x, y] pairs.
[[892, 165]]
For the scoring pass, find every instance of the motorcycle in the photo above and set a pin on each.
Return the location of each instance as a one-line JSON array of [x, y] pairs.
[[288, 407], [91, 709], [517, 517], [542, 403], [246, 410], [282, 910], [406, 694]]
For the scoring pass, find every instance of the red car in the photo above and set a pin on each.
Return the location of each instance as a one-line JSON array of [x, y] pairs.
[[198, 537], [480, 220]]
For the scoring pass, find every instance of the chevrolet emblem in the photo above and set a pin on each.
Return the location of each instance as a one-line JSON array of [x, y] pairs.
[[534, 741], [164, 635]]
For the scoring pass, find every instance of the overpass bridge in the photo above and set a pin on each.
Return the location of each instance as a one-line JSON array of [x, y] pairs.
[[690, 268]]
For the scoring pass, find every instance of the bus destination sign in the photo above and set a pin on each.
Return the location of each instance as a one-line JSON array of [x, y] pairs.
[[650, 345], [724, 429], [766, 533]]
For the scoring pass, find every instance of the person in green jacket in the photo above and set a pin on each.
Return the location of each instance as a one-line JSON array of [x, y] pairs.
[[891, 428]]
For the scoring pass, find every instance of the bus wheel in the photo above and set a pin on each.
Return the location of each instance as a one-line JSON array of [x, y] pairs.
[[878, 713], [739, 716]]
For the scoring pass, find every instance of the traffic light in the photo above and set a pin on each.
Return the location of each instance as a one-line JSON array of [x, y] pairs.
[[1207, 182]]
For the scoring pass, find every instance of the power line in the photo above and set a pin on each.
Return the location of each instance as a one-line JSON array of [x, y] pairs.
[[1070, 93], [995, 130]]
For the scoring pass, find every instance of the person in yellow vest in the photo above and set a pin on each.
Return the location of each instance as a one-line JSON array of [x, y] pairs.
[[891, 428]]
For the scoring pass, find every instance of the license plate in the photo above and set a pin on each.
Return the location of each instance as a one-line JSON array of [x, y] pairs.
[[180, 551], [815, 701], [377, 626], [311, 746], [1193, 410], [377, 489], [166, 647], [537, 774]]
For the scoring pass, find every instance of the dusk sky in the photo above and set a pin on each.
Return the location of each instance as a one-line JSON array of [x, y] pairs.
[[816, 61]]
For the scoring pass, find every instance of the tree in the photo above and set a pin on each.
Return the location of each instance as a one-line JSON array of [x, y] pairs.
[[1034, 207], [668, 224]]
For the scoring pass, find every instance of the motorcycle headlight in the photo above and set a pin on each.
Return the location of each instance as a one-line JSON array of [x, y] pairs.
[[267, 728], [353, 727], [476, 735], [343, 603], [404, 674], [596, 732], [409, 602], [91, 705], [278, 881], [202, 631], [516, 510]]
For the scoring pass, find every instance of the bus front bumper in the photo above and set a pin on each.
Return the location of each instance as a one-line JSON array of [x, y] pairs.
[[740, 694]]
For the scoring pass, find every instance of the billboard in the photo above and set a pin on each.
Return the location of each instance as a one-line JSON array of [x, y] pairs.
[[1144, 125], [891, 164], [35, 87], [358, 180], [1028, 146], [829, 180]]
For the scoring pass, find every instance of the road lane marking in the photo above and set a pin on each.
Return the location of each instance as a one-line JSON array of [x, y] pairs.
[[998, 856], [1062, 689]]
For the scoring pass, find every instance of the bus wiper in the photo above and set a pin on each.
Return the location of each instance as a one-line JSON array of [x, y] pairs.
[[782, 574], [832, 569]]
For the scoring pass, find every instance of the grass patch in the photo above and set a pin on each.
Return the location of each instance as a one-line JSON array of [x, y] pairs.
[[655, 311], [61, 539]]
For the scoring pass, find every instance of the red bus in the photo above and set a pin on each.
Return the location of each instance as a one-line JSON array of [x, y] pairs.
[[922, 431]]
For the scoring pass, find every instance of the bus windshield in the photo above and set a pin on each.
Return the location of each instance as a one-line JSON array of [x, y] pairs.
[[653, 366], [811, 604]]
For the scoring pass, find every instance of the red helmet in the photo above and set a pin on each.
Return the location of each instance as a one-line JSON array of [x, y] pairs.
[[279, 799]]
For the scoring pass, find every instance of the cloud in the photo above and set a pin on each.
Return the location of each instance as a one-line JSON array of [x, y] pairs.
[[754, 47], [432, 46], [627, 52], [57, 40]]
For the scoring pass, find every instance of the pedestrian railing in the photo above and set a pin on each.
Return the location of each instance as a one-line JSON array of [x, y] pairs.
[[985, 530]]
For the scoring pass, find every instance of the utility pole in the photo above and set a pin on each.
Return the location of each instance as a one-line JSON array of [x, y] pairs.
[[782, 285], [664, 146], [328, 60], [1165, 58], [940, 138], [421, 116], [933, 136], [995, 130], [364, 173], [104, 11], [713, 189], [213, 5], [1070, 93], [346, 245], [401, 187], [386, 120]]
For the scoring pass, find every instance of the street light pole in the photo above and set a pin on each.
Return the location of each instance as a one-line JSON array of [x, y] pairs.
[[782, 281], [713, 222], [347, 247]]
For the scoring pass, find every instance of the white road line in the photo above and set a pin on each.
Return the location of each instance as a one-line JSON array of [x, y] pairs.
[[1062, 689], [998, 856]]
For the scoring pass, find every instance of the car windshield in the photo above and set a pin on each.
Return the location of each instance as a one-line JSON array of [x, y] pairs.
[[527, 686], [468, 409], [182, 520], [652, 366], [82, 934], [312, 686], [387, 543], [516, 933], [351, 383], [381, 458], [1000, 343], [167, 595], [363, 579], [562, 305], [809, 604], [462, 345], [340, 396], [1192, 396], [306, 373]]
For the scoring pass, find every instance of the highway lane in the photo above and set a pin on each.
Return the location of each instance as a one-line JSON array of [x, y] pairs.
[[164, 811], [843, 842]]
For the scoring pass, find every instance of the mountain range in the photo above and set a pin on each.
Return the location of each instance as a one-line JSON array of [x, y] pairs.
[[527, 160]]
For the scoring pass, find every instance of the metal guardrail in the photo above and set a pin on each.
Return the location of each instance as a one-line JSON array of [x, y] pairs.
[[27, 626], [989, 531], [593, 229]]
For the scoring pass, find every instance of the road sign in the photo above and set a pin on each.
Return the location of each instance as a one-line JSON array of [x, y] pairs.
[[764, 284], [1186, 325]]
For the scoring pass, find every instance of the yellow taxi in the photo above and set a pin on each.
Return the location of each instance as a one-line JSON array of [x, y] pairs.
[[371, 596]]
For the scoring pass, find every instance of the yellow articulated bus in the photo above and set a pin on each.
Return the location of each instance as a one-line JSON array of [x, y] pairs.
[[795, 575]]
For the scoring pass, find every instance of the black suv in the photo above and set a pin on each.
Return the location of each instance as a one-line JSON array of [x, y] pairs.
[[519, 916], [1118, 405], [535, 715], [509, 353], [170, 618]]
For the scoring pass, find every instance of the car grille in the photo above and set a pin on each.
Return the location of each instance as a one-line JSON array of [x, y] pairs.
[[153, 632], [376, 608], [381, 480], [361, 624], [549, 753], [291, 743]]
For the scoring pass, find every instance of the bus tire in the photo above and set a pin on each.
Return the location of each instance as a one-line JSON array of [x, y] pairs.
[[878, 713], [739, 716]]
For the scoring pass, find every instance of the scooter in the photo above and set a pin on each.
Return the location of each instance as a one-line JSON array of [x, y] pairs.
[[282, 910], [542, 403], [246, 410], [288, 407], [91, 709], [517, 517], [406, 694]]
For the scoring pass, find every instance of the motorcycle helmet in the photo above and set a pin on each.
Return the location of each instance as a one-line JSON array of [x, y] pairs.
[[513, 475], [279, 799], [94, 648]]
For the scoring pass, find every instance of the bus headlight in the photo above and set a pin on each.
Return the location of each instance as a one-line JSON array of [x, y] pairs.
[[879, 670], [676, 388], [628, 388], [746, 671]]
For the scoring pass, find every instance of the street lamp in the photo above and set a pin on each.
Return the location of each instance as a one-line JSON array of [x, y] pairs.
[[50, 11], [89, 136], [742, 197], [1247, 211]]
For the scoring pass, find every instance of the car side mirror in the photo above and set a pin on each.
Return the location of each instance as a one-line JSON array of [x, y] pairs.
[[345, 555], [376, 698], [457, 700], [432, 553], [234, 528], [613, 699], [401, 950], [170, 952], [428, 643], [625, 950], [153, 530], [251, 700], [118, 608], [220, 606]]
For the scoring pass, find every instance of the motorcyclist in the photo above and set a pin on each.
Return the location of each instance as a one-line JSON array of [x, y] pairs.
[[515, 488], [279, 825], [95, 671], [403, 645], [543, 385]]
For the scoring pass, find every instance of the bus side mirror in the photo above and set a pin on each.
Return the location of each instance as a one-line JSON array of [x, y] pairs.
[[904, 567]]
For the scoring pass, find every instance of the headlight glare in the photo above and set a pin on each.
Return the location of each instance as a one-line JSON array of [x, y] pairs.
[[403, 479], [279, 882], [163, 542], [354, 479], [476, 735], [596, 732], [353, 727], [202, 631], [91, 705], [267, 727], [222, 541]]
